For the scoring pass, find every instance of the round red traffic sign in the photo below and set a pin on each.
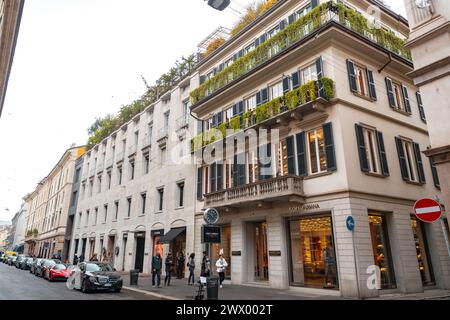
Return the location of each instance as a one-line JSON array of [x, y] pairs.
[[428, 210]]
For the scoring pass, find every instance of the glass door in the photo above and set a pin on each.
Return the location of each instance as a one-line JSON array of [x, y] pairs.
[[261, 253], [423, 254]]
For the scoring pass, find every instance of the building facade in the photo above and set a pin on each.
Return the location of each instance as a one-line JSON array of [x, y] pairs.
[[428, 41], [4, 232], [18, 226], [328, 84], [10, 17], [50, 202], [136, 196]]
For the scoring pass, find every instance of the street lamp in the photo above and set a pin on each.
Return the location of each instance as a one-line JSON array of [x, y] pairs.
[[219, 4]]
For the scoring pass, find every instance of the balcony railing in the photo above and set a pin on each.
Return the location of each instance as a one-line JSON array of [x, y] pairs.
[[297, 98], [296, 32], [276, 189]]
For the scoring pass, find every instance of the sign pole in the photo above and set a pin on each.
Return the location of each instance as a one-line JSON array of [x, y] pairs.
[[444, 230], [350, 223]]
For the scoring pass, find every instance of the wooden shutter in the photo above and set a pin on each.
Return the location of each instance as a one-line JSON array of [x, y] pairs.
[[434, 173], [301, 154], [213, 178], [200, 183], [351, 76], [420, 106], [329, 146], [258, 98], [265, 161], [406, 99], [295, 80], [291, 18], [286, 84], [363, 162], [319, 69], [390, 92], [219, 178], [370, 80], [290, 154], [264, 95], [419, 163], [382, 154], [402, 159]]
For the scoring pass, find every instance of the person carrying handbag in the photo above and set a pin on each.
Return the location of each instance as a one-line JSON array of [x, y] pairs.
[[221, 264]]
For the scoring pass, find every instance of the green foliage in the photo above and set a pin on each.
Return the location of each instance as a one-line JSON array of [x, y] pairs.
[[328, 87], [252, 12], [223, 129], [235, 123], [294, 33], [292, 98], [35, 232]]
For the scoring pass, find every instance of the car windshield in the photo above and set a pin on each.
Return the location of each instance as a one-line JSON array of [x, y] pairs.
[[59, 267], [93, 267]]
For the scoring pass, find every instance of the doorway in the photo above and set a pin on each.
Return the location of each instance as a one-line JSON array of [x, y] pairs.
[[140, 248], [223, 247], [261, 259], [423, 252], [110, 250], [83, 247], [125, 240], [91, 248]]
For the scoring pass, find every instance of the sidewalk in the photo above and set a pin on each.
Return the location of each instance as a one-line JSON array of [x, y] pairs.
[[179, 290]]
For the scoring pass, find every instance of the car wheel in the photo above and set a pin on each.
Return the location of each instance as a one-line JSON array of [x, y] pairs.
[[117, 290], [84, 288]]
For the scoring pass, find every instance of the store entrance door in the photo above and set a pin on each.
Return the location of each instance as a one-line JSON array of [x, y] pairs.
[[261, 259], [423, 252], [140, 247]]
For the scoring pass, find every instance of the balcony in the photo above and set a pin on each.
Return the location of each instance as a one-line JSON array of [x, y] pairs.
[[310, 96], [162, 137], [327, 14], [287, 188]]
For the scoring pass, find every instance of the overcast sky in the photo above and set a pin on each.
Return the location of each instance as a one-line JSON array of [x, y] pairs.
[[80, 59]]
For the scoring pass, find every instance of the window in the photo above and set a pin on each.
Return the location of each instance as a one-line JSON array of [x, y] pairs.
[[99, 184], [129, 207], [109, 179], [398, 96], [282, 167], [136, 139], [161, 199], [308, 73], [80, 217], [95, 216], [87, 218], [199, 183], [300, 13], [105, 213], [150, 133], [77, 175], [410, 158], [276, 90], [316, 148], [180, 194], [228, 114], [74, 198], [252, 160], [83, 188], [119, 171], [91, 187], [372, 153], [186, 110], [147, 164], [166, 120], [132, 167], [116, 216], [250, 103], [143, 202]]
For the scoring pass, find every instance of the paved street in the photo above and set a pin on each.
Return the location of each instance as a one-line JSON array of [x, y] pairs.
[[16, 284]]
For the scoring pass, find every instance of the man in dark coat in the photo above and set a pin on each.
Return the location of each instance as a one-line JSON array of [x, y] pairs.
[[156, 270]]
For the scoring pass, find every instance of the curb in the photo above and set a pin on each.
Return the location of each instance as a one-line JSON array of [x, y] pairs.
[[157, 295]]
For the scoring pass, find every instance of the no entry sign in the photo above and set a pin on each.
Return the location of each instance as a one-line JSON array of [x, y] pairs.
[[428, 210]]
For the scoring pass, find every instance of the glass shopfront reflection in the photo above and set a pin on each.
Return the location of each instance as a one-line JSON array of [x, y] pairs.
[[381, 249], [313, 256], [225, 248], [423, 254]]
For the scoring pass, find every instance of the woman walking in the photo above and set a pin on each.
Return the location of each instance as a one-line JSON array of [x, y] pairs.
[[191, 266], [169, 265], [221, 264]]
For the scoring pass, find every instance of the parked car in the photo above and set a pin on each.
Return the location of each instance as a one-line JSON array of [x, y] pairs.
[[97, 276], [26, 263], [46, 265], [11, 260], [58, 271], [34, 265], [19, 260], [38, 268], [1, 255]]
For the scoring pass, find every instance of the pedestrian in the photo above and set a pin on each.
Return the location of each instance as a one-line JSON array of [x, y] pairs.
[[206, 265], [94, 258], [156, 270], [169, 265], [221, 264], [81, 257], [180, 265], [75, 259], [191, 266]]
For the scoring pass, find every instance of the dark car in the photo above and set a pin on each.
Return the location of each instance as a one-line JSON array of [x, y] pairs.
[[34, 265], [19, 260], [11, 260], [26, 263], [38, 267], [44, 266], [98, 276]]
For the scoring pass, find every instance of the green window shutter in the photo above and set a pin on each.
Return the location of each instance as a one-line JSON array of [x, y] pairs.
[[286, 84], [212, 178], [301, 154], [420, 106], [351, 76], [370, 80], [435, 174], [319, 68], [390, 92], [219, 178], [406, 99], [200, 183], [329, 146], [361, 148], [402, 159], [382, 154], [290, 154], [295, 80], [419, 163]]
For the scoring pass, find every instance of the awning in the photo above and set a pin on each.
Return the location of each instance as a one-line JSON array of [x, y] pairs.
[[172, 234]]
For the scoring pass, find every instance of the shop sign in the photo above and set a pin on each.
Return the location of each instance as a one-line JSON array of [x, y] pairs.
[[236, 253], [305, 207], [275, 253], [159, 232], [211, 234], [427, 210]]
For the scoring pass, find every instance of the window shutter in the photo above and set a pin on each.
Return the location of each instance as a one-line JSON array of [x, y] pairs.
[[370, 80], [419, 163], [265, 161], [361, 148], [219, 118], [351, 76], [301, 154], [402, 159], [202, 79], [263, 38], [258, 98], [241, 108], [382, 153], [282, 24], [319, 68], [295, 80], [390, 92], [241, 169], [329, 146], [235, 110], [420, 105], [257, 42], [221, 67], [219, 176], [212, 178], [314, 3], [291, 18], [214, 120], [290, 154], [286, 84], [406, 99], [435, 174], [241, 53], [235, 172], [264, 95], [200, 183], [235, 56]]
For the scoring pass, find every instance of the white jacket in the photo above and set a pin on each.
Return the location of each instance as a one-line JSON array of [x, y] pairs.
[[221, 264]]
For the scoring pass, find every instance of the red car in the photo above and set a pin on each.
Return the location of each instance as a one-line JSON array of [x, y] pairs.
[[57, 272]]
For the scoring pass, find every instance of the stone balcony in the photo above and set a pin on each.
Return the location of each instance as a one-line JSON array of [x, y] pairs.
[[286, 188]]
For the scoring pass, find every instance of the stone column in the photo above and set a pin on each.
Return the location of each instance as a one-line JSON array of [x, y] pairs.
[[239, 266], [276, 242], [440, 259]]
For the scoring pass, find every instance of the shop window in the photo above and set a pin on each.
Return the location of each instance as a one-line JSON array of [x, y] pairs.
[[422, 251], [224, 248], [381, 249], [313, 256], [158, 246]]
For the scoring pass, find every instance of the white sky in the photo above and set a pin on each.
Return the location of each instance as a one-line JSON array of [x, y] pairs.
[[79, 59]]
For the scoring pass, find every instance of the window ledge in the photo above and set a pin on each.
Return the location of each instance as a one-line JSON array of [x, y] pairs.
[[141, 215], [179, 208], [127, 218], [158, 212], [401, 112], [414, 183], [376, 175], [316, 175], [364, 97], [114, 221]]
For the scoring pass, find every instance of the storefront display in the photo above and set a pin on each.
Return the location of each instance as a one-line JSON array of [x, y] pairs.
[[313, 256], [423, 255], [224, 247], [381, 249], [261, 252]]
